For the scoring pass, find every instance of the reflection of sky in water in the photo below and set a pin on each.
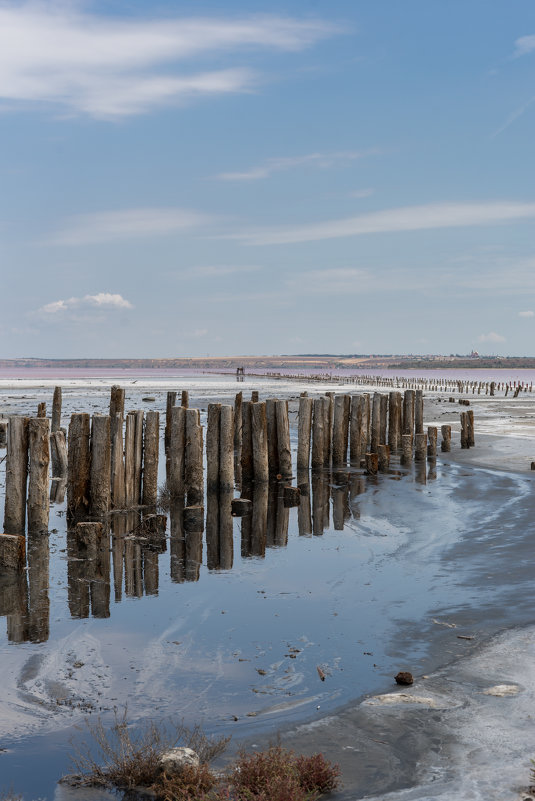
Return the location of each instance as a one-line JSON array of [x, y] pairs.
[[245, 643]]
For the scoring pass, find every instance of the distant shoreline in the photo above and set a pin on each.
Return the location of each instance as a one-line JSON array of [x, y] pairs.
[[285, 362]]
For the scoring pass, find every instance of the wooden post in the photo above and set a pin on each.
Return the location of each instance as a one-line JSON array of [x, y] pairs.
[[419, 412], [372, 464], [247, 442], [304, 430], [273, 443], [117, 462], [176, 453], [408, 412], [432, 435], [58, 452], [445, 445], [212, 448], [338, 456], [184, 399], [394, 420], [464, 431], [376, 422], [471, 437], [226, 450], [12, 554], [366, 423], [328, 409], [171, 401], [129, 460], [100, 474], [3, 433], [56, 410], [283, 439], [406, 448], [151, 444], [38, 503], [355, 430], [260, 445], [138, 455], [318, 443], [254, 396], [41, 409], [383, 420], [79, 459], [420, 447], [383, 454], [193, 464], [238, 423]]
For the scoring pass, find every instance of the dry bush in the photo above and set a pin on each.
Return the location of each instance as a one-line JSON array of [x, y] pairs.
[[192, 784], [123, 757], [279, 775]]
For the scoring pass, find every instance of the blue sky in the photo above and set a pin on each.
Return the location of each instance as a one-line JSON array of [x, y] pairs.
[[193, 178]]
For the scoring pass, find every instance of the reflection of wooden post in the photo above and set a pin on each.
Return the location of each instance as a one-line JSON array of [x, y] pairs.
[[79, 458], [259, 519], [56, 410], [304, 514], [100, 474], [283, 439], [260, 446], [445, 445], [12, 553], [151, 456], [38, 503], [226, 530], [175, 454], [303, 433]]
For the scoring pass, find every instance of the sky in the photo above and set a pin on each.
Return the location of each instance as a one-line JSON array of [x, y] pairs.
[[229, 178]]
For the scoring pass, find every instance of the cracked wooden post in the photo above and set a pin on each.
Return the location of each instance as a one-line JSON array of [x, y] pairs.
[[100, 471], [58, 452], [39, 450], [41, 409], [226, 450], [138, 455], [408, 412], [318, 443], [445, 445], [432, 436], [79, 461], [419, 412], [383, 455], [470, 421], [151, 451], [260, 443], [56, 410], [420, 447], [176, 453], [406, 448], [383, 420], [193, 463], [237, 434], [372, 464], [394, 421], [213, 421], [355, 430], [247, 443], [304, 430], [272, 436], [283, 439], [376, 422], [464, 431], [129, 460], [170, 403], [328, 410], [117, 396], [338, 456]]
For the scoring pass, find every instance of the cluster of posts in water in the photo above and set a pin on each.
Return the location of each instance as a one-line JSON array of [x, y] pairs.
[[108, 467], [433, 384]]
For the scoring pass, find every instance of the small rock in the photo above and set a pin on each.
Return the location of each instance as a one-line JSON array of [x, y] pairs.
[[176, 759], [404, 677], [502, 690]]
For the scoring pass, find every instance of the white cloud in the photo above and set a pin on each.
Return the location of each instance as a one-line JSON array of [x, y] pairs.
[[408, 218], [102, 300], [110, 226], [214, 271], [528, 313], [513, 117], [322, 160], [361, 193], [524, 45], [491, 337], [107, 66]]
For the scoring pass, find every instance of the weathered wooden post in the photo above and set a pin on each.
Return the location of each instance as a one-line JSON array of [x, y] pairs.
[[184, 399], [41, 409], [445, 445], [304, 512], [58, 452], [432, 435], [328, 410], [226, 450], [247, 469], [129, 460], [420, 447], [254, 396], [283, 439], [100, 471], [171, 402], [464, 431], [318, 439], [3, 433], [376, 422], [394, 420], [56, 410], [383, 420], [151, 457], [272, 437], [260, 443], [338, 455], [193, 463], [408, 411], [406, 448], [304, 431], [38, 503], [79, 461], [176, 453], [372, 464], [419, 412], [12, 553], [470, 422], [355, 427], [138, 454], [212, 450], [238, 426], [383, 455], [117, 397]]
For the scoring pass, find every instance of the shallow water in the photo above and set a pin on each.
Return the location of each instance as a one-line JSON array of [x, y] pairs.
[[228, 628]]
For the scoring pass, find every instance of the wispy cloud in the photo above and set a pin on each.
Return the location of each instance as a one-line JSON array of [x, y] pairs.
[[124, 224], [513, 117], [109, 67], [321, 160], [524, 45], [361, 193], [528, 313], [492, 336], [407, 218], [216, 270], [102, 300]]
